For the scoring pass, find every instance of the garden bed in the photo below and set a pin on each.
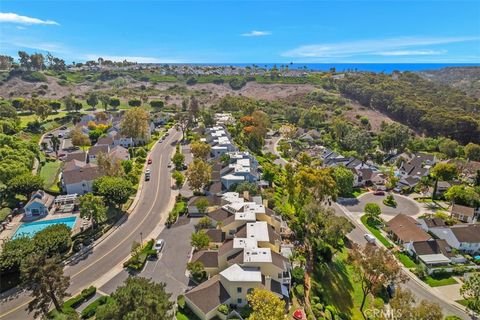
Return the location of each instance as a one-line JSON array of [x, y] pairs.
[[138, 261], [376, 232], [68, 308], [91, 309]]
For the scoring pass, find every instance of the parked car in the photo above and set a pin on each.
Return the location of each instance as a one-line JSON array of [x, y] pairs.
[[49, 135], [149, 161], [159, 245], [379, 193], [370, 238], [169, 165], [147, 174]]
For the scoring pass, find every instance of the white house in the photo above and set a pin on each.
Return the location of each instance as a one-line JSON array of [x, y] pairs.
[[38, 205], [465, 238]]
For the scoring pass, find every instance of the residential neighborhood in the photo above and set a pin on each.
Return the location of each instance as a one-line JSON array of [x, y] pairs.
[[132, 188]]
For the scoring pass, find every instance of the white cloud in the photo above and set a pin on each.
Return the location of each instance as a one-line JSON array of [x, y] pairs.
[[20, 28], [26, 43], [256, 33], [411, 53], [138, 59], [371, 47], [15, 18]]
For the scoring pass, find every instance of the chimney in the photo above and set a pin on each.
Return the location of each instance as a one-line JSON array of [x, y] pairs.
[[246, 195], [268, 283]]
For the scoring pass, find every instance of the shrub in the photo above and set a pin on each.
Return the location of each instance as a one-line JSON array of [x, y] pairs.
[[390, 201], [4, 212], [191, 81], [91, 309], [300, 291], [223, 308], [237, 84], [298, 275], [34, 76], [181, 301], [81, 298], [137, 261], [325, 253]]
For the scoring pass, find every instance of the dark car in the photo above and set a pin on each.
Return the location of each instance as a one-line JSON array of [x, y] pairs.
[[379, 193], [149, 161]]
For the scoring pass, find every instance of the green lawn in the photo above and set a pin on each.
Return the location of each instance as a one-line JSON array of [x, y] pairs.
[[336, 284], [376, 233], [406, 260], [25, 119], [438, 282], [49, 173]]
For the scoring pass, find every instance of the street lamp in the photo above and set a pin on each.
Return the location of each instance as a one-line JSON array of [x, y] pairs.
[[141, 237]]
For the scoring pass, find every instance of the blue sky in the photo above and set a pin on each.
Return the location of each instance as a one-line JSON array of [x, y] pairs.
[[245, 31]]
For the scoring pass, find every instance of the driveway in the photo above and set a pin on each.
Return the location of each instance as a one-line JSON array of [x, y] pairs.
[[171, 264], [404, 205]]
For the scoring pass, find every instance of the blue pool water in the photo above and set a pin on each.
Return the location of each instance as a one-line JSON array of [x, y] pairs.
[[477, 257], [29, 229]]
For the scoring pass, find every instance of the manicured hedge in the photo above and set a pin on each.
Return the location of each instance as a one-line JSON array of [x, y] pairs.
[[91, 309], [81, 298]]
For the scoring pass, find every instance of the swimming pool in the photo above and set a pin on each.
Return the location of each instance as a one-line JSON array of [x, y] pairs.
[[29, 229]]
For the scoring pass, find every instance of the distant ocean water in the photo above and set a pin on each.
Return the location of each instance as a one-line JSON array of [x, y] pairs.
[[373, 67]]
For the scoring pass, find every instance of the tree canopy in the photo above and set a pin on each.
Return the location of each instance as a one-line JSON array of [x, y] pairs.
[[138, 298], [265, 305], [114, 190]]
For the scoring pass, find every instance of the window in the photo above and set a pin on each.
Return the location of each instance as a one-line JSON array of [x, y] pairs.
[[250, 290], [279, 276], [239, 289], [239, 301]]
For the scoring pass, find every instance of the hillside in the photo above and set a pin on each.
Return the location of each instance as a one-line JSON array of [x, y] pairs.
[[466, 79], [425, 106], [430, 108]]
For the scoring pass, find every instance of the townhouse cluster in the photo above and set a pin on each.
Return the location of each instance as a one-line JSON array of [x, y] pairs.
[[246, 249], [247, 254], [242, 166], [80, 168]]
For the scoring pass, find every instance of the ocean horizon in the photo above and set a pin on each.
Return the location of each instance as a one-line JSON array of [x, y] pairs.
[[340, 67]]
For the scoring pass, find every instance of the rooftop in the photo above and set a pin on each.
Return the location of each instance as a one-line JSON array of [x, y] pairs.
[[236, 273]]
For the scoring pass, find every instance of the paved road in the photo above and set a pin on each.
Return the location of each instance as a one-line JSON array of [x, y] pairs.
[[105, 260], [404, 205], [171, 264], [420, 290], [271, 146]]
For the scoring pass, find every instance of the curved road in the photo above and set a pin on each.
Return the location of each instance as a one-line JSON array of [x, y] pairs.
[[420, 290], [108, 256]]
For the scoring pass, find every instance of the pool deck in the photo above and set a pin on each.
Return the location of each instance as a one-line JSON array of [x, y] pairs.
[[17, 221]]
